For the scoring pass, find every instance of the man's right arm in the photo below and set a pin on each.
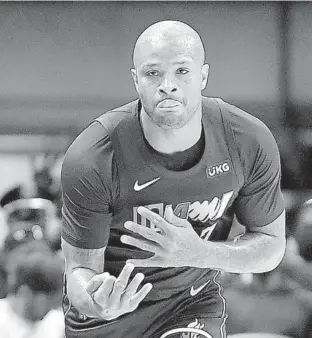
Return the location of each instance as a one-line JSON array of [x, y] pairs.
[[80, 266], [86, 190], [89, 187]]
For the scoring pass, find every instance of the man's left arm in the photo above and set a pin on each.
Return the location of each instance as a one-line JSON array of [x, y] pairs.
[[259, 206], [177, 245], [259, 249]]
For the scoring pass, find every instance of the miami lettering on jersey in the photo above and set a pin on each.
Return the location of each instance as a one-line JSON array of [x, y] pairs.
[[203, 212]]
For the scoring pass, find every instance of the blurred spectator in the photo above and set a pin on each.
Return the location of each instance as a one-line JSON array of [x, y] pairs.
[[47, 188], [32, 307], [32, 219], [297, 263], [264, 303], [11, 195], [3, 278], [303, 232], [280, 301], [4, 229], [46, 183], [47, 179], [293, 177]]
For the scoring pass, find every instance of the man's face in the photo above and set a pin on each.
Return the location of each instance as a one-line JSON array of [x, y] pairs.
[[169, 81]]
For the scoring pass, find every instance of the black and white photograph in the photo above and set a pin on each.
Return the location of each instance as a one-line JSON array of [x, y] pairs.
[[155, 169]]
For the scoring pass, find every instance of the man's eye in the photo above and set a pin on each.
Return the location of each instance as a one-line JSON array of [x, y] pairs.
[[182, 71], [152, 73]]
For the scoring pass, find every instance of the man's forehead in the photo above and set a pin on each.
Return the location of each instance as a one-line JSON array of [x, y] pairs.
[[166, 46], [155, 61], [165, 51]]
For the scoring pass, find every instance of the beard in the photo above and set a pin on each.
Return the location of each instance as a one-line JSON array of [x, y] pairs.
[[170, 119]]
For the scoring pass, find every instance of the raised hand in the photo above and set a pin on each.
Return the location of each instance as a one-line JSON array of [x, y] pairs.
[[113, 297], [176, 245]]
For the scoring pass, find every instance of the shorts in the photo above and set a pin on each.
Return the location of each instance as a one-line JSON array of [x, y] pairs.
[[181, 316]]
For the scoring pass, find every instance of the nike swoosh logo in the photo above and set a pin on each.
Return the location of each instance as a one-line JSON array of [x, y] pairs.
[[194, 291], [138, 187]]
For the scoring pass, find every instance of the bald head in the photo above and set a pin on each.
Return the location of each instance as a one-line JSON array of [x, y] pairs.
[[174, 35]]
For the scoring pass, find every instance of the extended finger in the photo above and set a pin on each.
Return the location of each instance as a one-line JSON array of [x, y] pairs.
[[121, 282], [144, 231], [148, 262], [96, 282], [102, 293], [154, 218], [132, 288], [140, 243], [136, 299]]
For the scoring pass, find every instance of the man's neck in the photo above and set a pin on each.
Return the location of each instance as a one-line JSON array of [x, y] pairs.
[[168, 141]]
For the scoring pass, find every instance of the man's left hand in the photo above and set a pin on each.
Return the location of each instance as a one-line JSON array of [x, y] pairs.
[[176, 245]]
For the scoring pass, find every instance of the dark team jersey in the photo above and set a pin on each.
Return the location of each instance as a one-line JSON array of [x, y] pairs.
[[109, 171]]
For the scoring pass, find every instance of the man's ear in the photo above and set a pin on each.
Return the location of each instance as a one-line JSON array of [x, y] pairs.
[[135, 78], [204, 75]]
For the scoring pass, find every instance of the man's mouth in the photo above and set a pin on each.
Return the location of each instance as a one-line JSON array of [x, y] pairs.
[[168, 103]]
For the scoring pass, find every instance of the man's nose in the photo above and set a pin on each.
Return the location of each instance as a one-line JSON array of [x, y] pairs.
[[167, 85]]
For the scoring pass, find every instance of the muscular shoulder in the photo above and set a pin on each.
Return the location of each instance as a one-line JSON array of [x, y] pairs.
[[92, 149], [90, 152], [246, 126], [253, 138], [89, 167]]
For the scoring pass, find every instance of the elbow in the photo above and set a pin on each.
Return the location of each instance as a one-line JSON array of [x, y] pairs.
[[278, 252], [280, 255], [274, 263], [81, 301], [76, 281]]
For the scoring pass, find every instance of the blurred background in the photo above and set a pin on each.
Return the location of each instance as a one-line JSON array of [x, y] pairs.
[[64, 63]]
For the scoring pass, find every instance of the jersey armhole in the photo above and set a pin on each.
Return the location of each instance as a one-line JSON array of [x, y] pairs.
[[231, 142]]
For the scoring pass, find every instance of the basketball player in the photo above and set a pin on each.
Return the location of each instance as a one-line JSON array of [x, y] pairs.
[[153, 188]]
